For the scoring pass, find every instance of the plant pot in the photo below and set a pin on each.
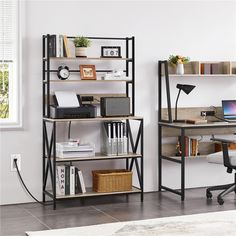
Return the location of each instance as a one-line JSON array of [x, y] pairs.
[[81, 52], [180, 69]]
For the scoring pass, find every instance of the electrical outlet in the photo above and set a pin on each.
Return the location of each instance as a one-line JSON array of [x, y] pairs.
[[13, 166], [207, 113]]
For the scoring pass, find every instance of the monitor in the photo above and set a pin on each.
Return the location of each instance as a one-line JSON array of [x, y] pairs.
[[229, 109]]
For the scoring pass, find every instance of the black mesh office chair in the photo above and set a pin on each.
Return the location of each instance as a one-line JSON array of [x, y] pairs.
[[229, 161]]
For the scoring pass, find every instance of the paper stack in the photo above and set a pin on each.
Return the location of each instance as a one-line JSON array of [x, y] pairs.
[[70, 150]]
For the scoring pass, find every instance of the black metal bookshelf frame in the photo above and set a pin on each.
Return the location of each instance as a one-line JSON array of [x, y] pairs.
[[50, 125]]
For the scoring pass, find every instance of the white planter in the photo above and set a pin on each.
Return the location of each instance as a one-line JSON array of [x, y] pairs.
[[180, 69], [81, 52]]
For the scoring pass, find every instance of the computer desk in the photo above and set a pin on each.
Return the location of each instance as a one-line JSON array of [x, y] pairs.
[[183, 127]]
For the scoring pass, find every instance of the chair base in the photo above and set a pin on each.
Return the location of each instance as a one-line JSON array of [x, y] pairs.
[[228, 188]]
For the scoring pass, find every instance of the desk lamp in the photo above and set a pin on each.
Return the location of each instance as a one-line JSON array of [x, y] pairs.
[[187, 88]]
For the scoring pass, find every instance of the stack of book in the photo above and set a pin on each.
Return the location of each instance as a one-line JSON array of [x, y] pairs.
[[69, 180], [60, 46], [191, 146], [115, 138], [70, 150]]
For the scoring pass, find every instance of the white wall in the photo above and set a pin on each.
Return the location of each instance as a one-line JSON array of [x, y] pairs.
[[202, 30]]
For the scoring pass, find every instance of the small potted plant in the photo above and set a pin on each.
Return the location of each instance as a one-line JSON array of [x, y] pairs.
[[81, 43], [179, 62]]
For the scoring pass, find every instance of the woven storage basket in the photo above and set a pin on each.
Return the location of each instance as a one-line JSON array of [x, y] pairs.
[[112, 180]]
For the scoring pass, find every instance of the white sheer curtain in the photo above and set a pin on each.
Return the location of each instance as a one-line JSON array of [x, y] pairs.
[[9, 54]]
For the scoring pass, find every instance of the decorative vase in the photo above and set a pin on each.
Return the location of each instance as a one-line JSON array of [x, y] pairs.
[[81, 52], [180, 69]]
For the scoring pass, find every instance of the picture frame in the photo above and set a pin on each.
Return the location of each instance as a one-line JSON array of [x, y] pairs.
[[88, 72], [111, 51]]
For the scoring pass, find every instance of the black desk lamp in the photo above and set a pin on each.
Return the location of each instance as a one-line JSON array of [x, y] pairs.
[[187, 88]]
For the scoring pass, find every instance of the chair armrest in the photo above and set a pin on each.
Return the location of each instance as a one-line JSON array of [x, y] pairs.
[[223, 140]]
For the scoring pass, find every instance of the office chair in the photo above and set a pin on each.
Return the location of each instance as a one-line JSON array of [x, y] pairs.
[[229, 161]]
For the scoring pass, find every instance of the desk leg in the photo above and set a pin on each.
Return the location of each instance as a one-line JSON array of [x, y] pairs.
[[183, 154], [159, 157]]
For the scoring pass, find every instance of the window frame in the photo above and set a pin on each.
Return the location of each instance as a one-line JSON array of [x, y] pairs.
[[15, 89]]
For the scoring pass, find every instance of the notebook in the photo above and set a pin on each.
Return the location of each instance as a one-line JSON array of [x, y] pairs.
[[229, 110]]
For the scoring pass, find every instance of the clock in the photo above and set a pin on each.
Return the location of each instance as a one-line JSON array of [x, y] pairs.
[[63, 72], [111, 52]]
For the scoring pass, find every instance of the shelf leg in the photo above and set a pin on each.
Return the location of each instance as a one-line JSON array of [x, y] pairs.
[[142, 169], [54, 165], [159, 157], [183, 154]]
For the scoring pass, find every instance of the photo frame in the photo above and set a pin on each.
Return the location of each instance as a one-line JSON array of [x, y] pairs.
[[111, 51], [88, 72]]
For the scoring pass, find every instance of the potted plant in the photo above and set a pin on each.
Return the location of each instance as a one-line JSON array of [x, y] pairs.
[[179, 62], [81, 43]]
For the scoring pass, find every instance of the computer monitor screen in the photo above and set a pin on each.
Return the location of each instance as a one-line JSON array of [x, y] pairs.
[[229, 109]]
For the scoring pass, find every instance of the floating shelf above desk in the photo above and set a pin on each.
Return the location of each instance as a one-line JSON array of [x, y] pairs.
[[205, 69]]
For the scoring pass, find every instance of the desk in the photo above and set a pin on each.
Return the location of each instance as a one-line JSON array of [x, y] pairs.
[[182, 127]]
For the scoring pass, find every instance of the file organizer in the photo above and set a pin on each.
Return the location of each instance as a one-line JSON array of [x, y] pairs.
[[115, 138]]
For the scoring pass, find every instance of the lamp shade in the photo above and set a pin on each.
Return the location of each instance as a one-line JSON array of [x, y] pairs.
[[187, 88]]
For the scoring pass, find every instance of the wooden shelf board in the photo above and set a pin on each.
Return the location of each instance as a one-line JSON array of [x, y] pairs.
[[89, 58], [90, 193], [99, 118], [98, 156], [200, 75], [78, 81], [190, 157]]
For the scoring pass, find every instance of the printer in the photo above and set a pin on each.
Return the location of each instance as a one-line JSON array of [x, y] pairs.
[[65, 112]]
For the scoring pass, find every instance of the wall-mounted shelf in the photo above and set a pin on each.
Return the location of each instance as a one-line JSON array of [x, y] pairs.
[[205, 69]]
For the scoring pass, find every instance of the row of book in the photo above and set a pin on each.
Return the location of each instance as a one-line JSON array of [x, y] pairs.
[[210, 69], [60, 46], [191, 146], [69, 180], [115, 137], [73, 149]]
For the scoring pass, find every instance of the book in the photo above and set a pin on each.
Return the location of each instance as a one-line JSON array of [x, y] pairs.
[[61, 179], [77, 184], [72, 180], [66, 47], [196, 121], [81, 182], [52, 45], [58, 190], [67, 180]]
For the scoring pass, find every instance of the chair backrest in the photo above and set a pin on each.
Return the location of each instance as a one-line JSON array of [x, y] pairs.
[[225, 147]]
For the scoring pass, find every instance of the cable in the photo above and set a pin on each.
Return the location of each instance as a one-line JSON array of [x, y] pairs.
[[42, 203], [220, 118]]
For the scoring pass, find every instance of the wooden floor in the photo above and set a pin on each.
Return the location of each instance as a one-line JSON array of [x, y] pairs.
[[16, 219]]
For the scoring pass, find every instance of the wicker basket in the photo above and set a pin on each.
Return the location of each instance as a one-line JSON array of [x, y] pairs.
[[112, 180]]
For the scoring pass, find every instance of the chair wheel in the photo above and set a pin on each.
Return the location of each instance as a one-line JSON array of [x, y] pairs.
[[220, 201], [208, 195]]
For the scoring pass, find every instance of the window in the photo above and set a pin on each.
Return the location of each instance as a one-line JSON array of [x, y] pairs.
[[10, 113]]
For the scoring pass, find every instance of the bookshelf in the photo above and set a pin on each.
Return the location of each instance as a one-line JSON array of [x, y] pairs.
[[133, 160]]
